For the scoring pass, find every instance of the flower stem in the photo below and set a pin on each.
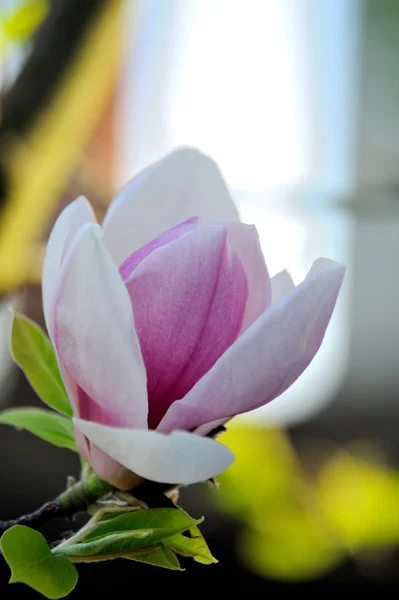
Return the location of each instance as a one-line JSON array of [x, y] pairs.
[[80, 496]]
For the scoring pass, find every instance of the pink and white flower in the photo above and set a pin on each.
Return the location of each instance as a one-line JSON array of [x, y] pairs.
[[166, 323]]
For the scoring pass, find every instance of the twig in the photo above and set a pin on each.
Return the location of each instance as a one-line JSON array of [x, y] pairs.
[[49, 510], [74, 500], [79, 497]]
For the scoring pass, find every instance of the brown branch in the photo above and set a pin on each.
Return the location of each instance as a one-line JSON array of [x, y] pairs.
[[47, 512], [74, 500], [81, 496]]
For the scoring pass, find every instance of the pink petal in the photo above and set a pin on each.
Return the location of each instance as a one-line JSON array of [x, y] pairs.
[[188, 299], [183, 184], [95, 336], [111, 470], [244, 241], [266, 359], [107, 468], [66, 226], [137, 257], [208, 427], [82, 444], [181, 457]]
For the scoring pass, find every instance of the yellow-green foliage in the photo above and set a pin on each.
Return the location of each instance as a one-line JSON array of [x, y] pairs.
[[297, 526], [17, 25]]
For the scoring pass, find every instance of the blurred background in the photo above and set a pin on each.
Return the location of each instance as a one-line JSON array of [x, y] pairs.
[[298, 102]]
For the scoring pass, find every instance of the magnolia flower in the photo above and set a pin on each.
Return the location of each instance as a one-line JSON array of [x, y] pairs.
[[166, 323]]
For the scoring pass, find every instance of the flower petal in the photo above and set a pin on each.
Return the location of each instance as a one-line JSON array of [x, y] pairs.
[[71, 219], [320, 265], [95, 336], [184, 184], [266, 359], [188, 299], [206, 428], [282, 284], [68, 223], [129, 265], [181, 457], [109, 469], [244, 241]]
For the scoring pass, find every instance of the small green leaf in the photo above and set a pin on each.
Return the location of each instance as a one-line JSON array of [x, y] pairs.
[[160, 557], [34, 353], [45, 424], [163, 522], [127, 534], [110, 546], [31, 562], [194, 546]]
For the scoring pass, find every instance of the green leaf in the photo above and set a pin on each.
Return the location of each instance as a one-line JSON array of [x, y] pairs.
[[107, 547], [45, 424], [34, 353], [127, 534], [31, 562], [162, 522], [160, 557], [194, 546]]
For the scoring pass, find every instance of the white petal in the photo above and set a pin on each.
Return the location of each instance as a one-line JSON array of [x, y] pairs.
[[321, 264], [180, 457], [282, 284], [184, 184], [94, 332], [68, 223]]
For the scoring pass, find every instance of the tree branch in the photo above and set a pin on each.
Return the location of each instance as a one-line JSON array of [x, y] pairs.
[[74, 500], [47, 512], [79, 497]]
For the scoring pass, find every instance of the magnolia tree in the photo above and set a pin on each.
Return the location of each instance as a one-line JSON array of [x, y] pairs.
[[163, 324]]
